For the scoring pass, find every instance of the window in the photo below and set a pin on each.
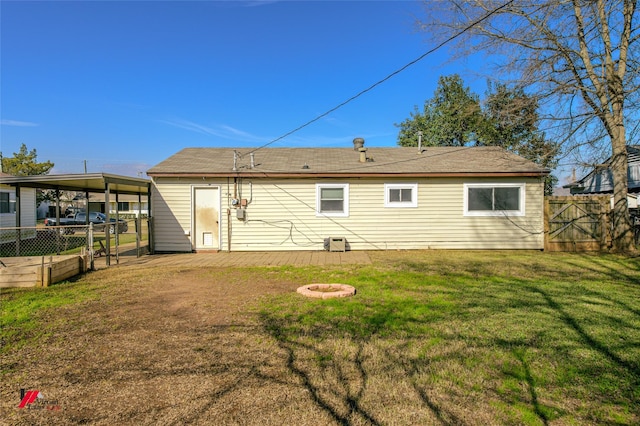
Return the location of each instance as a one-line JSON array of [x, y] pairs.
[[123, 206], [493, 199], [401, 195], [332, 199], [7, 203]]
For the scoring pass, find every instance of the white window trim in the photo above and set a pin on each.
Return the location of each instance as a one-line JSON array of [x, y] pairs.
[[345, 188], [401, 204], [520, 212]]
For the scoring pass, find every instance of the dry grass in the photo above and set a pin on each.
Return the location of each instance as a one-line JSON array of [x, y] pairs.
[[430, 338]]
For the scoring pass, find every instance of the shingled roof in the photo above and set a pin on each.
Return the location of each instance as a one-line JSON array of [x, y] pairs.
[[346, 162]]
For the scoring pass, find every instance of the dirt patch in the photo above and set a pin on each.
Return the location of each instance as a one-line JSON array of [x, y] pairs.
[[172, 348]]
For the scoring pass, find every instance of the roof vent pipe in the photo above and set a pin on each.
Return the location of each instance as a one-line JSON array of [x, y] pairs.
[[419, 141], [253, 163], [358, 143], [363, 154]]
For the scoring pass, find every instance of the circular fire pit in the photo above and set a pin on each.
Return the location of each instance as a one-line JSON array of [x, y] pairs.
[[326, 291]]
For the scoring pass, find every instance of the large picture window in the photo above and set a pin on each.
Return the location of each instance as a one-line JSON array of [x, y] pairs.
[[401, 195], [332, 199], [493, 199]]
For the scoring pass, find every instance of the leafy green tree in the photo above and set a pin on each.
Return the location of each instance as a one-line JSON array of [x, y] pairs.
[[508, 118], [511, 117], [23, 163], [451, 118], [511, 120]]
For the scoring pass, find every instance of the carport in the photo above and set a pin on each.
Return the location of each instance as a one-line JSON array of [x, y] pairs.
[[106, 183]]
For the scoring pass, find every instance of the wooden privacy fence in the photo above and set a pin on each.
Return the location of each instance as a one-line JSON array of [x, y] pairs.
[[577, 223]]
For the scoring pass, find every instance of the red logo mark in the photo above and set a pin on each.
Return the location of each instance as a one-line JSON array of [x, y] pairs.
[[29, 398]]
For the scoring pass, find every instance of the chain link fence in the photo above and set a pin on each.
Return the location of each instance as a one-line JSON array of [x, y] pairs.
[[71, 239]]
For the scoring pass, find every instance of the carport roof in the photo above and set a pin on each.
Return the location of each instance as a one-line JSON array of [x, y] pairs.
[[91, 182]]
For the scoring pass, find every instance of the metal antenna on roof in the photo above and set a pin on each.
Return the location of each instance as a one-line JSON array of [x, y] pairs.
[[419, 141], [235, 160]]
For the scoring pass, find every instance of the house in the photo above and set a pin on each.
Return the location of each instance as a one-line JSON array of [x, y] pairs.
[[127, 205], [377, 198], [8, 210], [600, 179]]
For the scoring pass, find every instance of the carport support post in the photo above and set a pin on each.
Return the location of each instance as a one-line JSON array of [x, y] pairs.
[[115, 229], [90, 244], [138, 224], [106, 228], [86, 208], [57, 229], [18, 220]]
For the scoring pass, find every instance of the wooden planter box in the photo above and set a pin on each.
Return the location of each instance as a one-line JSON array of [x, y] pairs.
[[42, 271]]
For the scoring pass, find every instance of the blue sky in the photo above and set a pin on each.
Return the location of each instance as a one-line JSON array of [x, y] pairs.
[[124, 85]]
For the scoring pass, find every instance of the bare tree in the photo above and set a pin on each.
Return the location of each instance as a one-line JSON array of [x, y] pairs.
[[580, 58]]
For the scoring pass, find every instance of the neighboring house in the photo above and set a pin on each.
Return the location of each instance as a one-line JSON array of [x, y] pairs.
[[8, 217], [600, 179], [127, 204], [380, 198]]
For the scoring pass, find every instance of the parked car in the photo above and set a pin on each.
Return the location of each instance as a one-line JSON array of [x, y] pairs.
[[98, 220]]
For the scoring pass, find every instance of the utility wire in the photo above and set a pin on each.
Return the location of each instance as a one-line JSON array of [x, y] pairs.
[[393, 74]]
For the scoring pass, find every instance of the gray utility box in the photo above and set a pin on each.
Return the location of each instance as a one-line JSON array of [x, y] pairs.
[[337, 244]]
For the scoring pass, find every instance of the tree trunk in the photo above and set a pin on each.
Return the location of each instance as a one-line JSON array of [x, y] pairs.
[[622, 231]]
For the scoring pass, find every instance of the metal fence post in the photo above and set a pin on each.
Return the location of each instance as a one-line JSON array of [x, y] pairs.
[[90, 245]]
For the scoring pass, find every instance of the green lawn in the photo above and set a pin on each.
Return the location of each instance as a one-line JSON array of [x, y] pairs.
[[528, 338], [471, 337]]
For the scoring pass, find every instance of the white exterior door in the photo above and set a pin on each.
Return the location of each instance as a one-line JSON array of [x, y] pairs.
[[206, 220]]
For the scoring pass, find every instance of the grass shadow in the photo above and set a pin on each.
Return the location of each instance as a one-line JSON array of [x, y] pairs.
[[342, 404]]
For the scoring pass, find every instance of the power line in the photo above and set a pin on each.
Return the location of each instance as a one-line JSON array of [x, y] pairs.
[[393, 74]]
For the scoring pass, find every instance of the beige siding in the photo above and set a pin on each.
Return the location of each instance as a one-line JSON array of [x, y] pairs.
[[27, 216], [281, 216], [27, 208], [172, 208], [171, 211]]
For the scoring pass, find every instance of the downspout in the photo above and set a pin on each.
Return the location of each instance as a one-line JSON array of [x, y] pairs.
[[228, 230]]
